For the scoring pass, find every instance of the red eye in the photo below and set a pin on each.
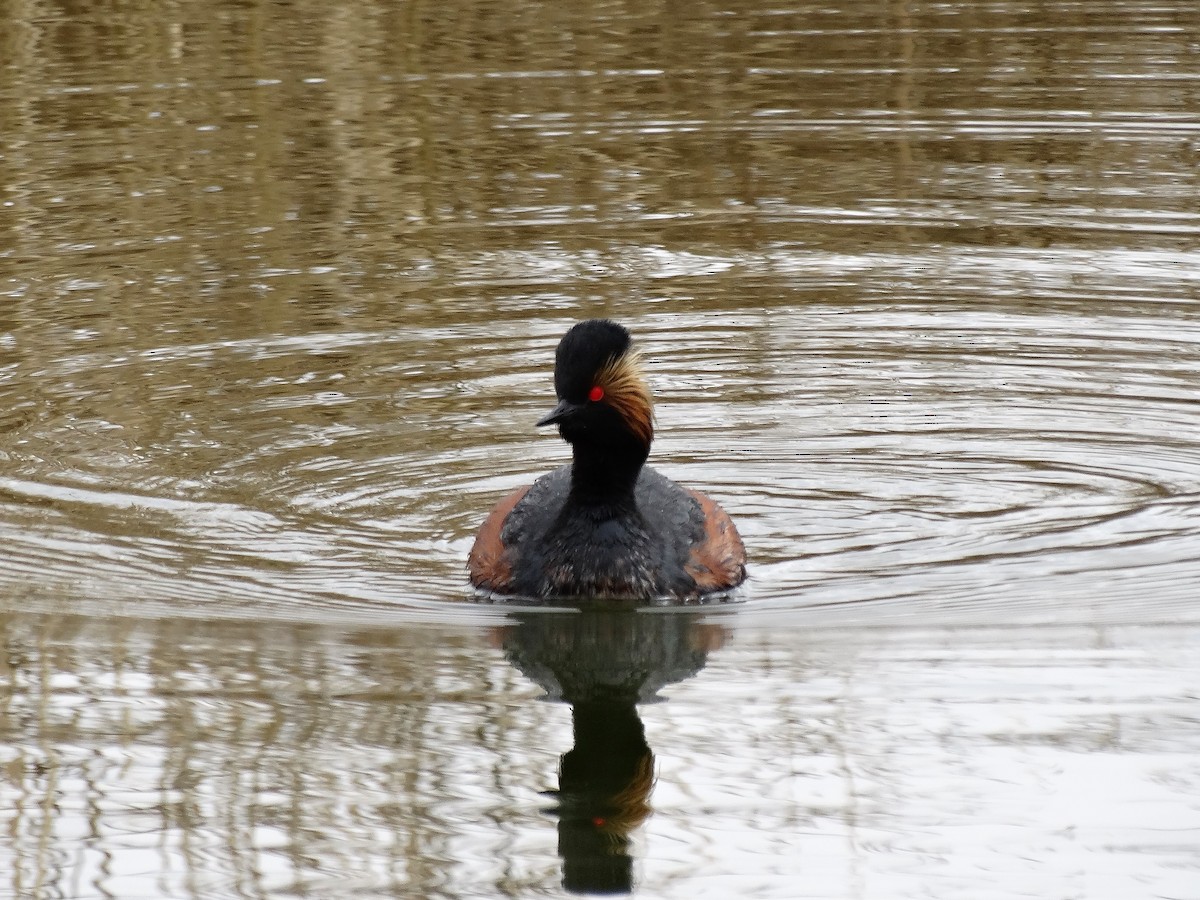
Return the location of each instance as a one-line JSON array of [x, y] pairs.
[[596, 393]]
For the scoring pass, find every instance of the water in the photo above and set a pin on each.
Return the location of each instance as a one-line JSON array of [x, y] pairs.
[[177, 758], [917, 289]]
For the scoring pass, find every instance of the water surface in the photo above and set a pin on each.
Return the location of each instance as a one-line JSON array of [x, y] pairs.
[[917, 288]]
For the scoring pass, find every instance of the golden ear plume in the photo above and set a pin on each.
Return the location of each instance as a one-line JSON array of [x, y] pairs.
[[626, 391]]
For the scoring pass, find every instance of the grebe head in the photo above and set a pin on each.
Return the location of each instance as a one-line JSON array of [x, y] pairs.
[[603, 397]]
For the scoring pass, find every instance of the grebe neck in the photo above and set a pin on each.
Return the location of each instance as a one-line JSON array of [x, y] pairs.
[[604, 475]]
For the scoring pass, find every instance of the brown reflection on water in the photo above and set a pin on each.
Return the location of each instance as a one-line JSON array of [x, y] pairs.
[[239, 147], [281, 282]]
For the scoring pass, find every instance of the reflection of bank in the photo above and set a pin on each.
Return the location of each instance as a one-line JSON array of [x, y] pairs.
[[604, 662]]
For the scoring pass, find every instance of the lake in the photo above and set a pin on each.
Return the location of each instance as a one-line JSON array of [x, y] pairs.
[[917, 286]]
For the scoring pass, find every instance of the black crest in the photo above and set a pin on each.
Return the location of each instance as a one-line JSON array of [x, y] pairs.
[[584, 351]]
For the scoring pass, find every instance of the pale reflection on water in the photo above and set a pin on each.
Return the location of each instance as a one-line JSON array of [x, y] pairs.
[[164, 759], [917, 288]]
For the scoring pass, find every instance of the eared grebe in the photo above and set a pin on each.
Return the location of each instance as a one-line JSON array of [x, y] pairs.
[[607, 525]]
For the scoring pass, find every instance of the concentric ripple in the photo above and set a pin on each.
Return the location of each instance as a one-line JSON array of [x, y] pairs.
[[1016, 462]]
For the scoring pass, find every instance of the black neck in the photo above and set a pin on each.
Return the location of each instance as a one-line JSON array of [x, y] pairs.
[[605, 474]]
